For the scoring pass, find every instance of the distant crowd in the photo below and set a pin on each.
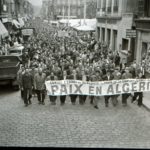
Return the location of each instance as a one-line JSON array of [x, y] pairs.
[[50, 57]]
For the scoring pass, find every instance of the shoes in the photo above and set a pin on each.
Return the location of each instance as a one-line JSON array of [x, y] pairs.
[[106, 105], [96, 107], [43, 103], [26, 105], [124, 105], [73, 103], [62, 104], [139, 105], [91, 102], [53, 103], [114, 105], [30, 102]]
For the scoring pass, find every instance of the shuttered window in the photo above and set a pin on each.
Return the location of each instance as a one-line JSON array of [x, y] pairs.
[[141, 8]]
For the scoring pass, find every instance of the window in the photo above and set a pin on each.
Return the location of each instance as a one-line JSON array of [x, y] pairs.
[[104, 5], [116, 4], [147, 8]]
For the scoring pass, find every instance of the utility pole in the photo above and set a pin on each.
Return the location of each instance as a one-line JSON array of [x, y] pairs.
[[84, 11], [63, 12], [48, 12], [68, 11]]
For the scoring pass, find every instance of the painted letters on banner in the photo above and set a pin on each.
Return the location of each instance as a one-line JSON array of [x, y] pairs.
[[114, 87]]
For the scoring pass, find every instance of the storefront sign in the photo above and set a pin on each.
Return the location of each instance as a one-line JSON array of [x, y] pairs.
[[62, 34], [130, 33], [114, 87], [27, 32]]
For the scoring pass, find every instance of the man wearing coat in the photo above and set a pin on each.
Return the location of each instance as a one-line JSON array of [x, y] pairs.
[[96, 98], [39, 86], [63, 76], [108, 77], [73, 76], [83, 77], [125, 96], [52, 77], [27, 83]]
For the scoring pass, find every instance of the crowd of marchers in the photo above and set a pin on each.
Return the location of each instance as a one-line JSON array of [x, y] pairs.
[[50, 57]]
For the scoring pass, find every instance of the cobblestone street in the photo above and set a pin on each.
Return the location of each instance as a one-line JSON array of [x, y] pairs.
[[71, 126]]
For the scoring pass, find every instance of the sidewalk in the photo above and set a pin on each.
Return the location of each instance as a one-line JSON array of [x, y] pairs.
[[146, 100]]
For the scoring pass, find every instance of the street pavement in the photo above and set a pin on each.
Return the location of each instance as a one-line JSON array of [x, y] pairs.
[[71, 126], [146, 100]]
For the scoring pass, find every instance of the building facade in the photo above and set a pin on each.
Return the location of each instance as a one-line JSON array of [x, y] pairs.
[[143, 30], [114, 17], [58, 9], [13, 10]]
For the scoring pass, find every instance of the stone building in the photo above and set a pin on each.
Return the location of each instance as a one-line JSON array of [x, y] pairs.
[[114, 17]]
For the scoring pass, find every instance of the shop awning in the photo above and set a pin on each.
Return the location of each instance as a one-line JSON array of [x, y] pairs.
[[21, 22], [16, 23], [3, 30], [84, 28]]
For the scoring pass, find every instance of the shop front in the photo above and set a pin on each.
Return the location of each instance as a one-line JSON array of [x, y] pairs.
[[143, 39]]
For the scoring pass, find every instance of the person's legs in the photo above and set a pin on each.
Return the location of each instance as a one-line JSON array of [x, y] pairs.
[[39, 96], [80, 100], [134, 97], [106, 100], [22, 95], [84, 98], [95, 101], [92, 99], [43, 96], [114, 100], [125, 96], [25, 97], [30, 96], [53, 99], [73, 99], [62, 99], [140, 99]]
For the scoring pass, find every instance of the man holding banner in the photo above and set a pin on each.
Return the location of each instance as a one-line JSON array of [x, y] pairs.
[[83, 77], [96, 98], [63, 97], [108, 77], [125, 96], [138, 95], [52, 77], [73, 76]]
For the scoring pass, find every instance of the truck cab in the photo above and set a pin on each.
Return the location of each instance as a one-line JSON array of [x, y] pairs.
[[9, 67]]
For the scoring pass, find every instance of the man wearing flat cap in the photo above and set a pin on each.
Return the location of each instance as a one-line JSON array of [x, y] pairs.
[[108, 77], [126, 75]]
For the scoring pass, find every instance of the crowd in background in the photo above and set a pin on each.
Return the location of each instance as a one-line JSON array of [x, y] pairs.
[[50, 57]]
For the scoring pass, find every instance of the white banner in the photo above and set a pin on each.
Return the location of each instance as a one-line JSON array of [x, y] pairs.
[[27, 32], [62, 34], [102, 88]]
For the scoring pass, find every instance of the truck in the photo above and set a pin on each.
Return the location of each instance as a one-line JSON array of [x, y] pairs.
[[16, 51], [9, 67]]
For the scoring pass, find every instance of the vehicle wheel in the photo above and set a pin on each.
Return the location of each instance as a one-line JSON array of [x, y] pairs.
[[16, 87]]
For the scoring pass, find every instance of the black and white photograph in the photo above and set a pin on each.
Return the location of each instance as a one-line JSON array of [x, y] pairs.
[[75, 73]]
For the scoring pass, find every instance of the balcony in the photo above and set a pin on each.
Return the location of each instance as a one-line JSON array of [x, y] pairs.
[[104, 15], [143, 23]]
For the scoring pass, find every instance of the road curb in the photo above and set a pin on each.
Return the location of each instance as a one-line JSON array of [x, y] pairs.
[[146, 107]]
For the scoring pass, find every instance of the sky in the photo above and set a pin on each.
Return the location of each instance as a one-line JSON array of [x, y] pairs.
[[36, 2]]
